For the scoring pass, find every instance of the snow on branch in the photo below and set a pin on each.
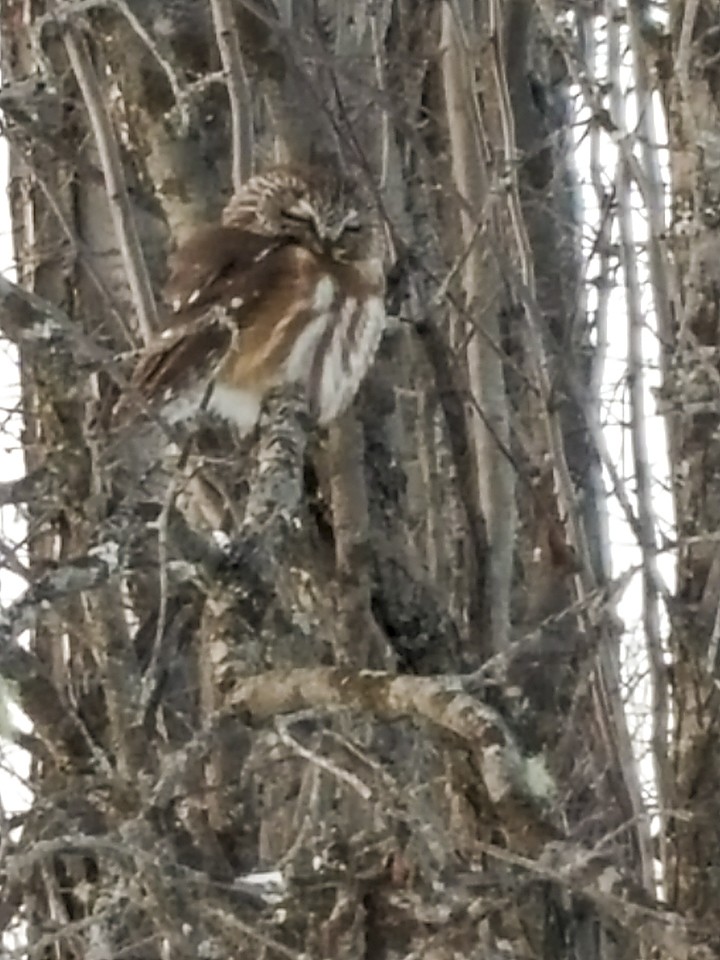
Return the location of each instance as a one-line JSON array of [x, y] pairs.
[[84, 573], [27, 318]]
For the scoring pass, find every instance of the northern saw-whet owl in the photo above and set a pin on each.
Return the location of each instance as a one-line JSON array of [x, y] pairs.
[[289, 288]]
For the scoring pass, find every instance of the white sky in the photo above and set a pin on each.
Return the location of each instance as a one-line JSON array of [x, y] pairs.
[[13, 761]]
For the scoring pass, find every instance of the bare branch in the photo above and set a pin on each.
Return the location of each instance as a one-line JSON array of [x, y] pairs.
[[348, 495], [282, 726], [180, 91], [682, 57], [595, 877], [505, 772], [238, 91], [118, 199], [27, 318], [662, 280], [646, 524], [77, 7], [59, 729], [85, 573], [276, 493]]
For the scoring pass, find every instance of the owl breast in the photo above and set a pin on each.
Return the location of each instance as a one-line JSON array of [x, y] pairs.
[[336, 349], [345, 355], [326, 342]]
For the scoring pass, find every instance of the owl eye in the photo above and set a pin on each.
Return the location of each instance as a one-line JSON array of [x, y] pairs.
[[296, 217], [353, 227]]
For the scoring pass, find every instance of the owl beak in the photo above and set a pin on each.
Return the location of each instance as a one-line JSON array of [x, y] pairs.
[[334, 235], [327, 237]]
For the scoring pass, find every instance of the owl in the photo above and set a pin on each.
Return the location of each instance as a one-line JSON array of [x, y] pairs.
[[288, 288]]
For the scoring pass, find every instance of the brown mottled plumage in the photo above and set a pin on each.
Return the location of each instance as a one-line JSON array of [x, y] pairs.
[[289, 288]]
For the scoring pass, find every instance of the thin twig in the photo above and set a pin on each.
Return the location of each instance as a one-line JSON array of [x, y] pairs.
[[64, 11], [180, 91], [623, 139], [646, 522], [282, 725], [663, 294], [238, 91], [432, 699]]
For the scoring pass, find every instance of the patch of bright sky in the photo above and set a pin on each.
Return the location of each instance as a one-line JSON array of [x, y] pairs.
[[615, 413], [14, 762]]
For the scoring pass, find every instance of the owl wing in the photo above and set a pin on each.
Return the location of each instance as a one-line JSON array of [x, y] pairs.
[[215, 265], [224, 280], [183, 357]]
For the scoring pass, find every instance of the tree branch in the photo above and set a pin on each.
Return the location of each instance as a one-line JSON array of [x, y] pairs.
[[31, 487], [349, 502], [512, 780], [486, 377], [27, 318], [85, 573], [37, 693], [118, 199], [238, 91], [584, 873], [277, 488]]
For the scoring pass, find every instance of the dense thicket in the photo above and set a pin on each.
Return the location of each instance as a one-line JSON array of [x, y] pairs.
[[394, 679]]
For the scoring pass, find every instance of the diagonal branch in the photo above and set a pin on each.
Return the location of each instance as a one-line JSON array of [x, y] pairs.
[[37, 694], [118, 199], [26, 318], [84, 573]]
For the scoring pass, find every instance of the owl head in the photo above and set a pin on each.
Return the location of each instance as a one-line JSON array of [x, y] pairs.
[[322, 212]]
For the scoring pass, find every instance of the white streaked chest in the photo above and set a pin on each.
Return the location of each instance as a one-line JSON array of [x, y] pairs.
[[336, 348], [345, 355], [300, 357], [330, 355]]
